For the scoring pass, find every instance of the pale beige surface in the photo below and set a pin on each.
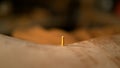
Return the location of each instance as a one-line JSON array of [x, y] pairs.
[[100, 53]]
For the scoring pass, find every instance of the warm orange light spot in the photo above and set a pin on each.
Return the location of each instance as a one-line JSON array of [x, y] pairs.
[[62, 41]]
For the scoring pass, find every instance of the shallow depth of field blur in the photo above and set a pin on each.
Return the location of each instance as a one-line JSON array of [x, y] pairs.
[[45, 21]]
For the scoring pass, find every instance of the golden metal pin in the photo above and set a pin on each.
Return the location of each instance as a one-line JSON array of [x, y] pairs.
[[62, 41]]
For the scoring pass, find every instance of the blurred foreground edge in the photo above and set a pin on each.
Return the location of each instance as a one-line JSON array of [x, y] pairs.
[[95, 53]]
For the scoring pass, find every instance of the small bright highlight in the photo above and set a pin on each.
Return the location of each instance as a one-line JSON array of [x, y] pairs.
[[62, 41]]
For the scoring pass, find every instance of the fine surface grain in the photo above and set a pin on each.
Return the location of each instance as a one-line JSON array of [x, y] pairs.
[[96, 53]]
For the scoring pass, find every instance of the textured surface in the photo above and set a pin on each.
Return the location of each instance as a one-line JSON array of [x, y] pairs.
[[96, 53]]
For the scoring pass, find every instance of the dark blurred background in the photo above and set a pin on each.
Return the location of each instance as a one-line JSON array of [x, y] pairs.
[[67, 15], [47, 13]]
